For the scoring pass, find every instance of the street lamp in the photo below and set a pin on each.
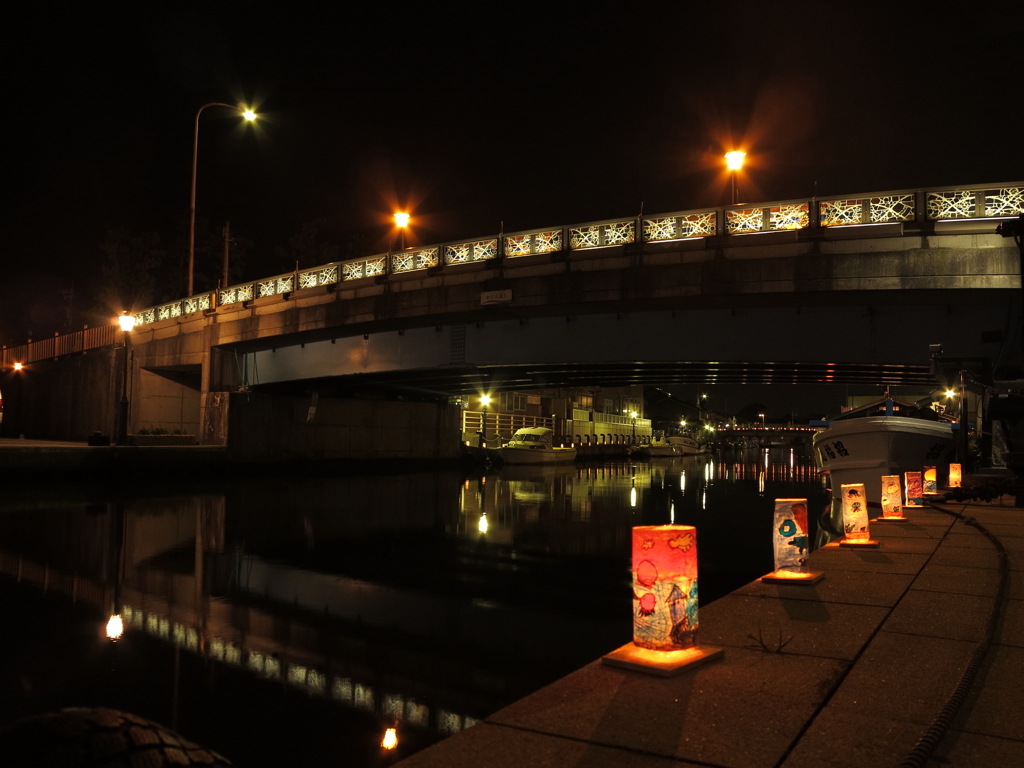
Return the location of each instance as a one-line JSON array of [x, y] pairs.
[[761, 415], [402, 221], [734, 161], [485, 400], [633, 414], [127, 322], [249, 115]]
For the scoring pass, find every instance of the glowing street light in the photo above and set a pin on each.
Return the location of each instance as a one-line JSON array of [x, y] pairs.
[[402, 221], [115, 627], [734, 162], [390, 740], [761, 415], [485, 400], [950, 393], [127, 322], [250, 116], [18, 366]]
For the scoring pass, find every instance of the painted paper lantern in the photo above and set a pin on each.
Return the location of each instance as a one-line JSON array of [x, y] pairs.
[[855, 511], [892, 496], [954, 475], [930, 480], [915, 489], [790, 534], [665, 587]]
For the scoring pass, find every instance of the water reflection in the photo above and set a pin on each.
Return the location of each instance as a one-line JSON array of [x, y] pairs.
[[423, 601]]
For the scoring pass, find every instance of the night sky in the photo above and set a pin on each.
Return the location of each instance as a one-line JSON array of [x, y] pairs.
[[530, 115]]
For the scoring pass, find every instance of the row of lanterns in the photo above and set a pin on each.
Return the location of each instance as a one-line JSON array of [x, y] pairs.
[[665, 570]]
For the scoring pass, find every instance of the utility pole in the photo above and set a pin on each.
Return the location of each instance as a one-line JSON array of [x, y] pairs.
[[227, 250]]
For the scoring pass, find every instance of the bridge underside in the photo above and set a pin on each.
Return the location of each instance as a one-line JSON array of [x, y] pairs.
[[880, 345], [474, 380]]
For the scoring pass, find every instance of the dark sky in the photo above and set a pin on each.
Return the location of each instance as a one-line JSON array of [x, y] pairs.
[[526, 114]]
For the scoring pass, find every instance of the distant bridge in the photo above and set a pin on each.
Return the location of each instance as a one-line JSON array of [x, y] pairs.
[[843, 289]]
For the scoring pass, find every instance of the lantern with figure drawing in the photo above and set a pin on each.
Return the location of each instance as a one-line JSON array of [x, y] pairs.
[[930, 483], [914, 489], [892, 498], [954, 475], [855, 516], [791, 544], [664, 602]]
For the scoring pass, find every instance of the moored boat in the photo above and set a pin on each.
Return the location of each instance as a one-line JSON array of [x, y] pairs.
[[532, 445], [686, 446], [864, 449], [658, 448]]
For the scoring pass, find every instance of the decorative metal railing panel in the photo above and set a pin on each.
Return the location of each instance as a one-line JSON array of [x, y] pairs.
[[466, 253], [602, 235], [275, 286], [793, 216], [409, 261], [1007, 201], [744, 220], [319, 276], [839, 213], [892, 208], [881, 209], [369, 267], [681, 227], [235, 294], [545, 241], [954, 204]]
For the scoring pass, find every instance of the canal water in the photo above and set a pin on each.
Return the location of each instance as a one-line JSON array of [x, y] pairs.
[[287, 620]]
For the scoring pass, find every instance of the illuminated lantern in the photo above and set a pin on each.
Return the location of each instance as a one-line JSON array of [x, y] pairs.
[[892, 498], [855, 516], [664, 603], [930, 482], [790, 540], [954, 475], [915, 489]]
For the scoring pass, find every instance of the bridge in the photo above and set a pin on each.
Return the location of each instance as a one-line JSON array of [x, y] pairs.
[[850, 289]]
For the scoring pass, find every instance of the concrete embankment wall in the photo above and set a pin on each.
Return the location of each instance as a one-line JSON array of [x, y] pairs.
[[67, 398], [260, 426]]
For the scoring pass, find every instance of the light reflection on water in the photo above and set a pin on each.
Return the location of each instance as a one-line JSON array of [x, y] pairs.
[[427, 600]]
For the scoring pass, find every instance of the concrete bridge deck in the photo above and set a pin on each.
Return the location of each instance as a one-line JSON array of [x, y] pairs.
[[871, 655]]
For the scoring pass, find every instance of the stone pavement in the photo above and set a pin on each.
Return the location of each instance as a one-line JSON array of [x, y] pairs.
[[847, 672]]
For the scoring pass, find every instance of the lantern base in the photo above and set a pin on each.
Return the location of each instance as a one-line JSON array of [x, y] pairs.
[[864, 543], [793, 577], [891, 519], [663, 663]]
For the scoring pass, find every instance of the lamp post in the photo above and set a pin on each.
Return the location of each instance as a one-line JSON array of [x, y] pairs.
[[484, 401], [633, 414], [734, 161], [402, 221], [249, 115], [127, 322], [761, 416]]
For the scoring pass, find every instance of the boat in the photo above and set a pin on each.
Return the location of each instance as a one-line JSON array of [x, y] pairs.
[[658, 448], [532, 445], [862, 445], [686, 446]]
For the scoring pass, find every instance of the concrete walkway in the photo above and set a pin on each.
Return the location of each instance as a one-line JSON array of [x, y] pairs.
[[870, 655]]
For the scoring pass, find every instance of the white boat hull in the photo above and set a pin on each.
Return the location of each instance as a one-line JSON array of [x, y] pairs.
[[535, 455], [656, 451], [863, 450], [686, 446]]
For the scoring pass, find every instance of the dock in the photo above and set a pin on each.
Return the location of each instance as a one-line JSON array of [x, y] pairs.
[[859, 670]]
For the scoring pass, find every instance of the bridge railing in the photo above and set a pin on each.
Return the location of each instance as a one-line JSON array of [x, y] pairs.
[[59, 345], [937, 204]]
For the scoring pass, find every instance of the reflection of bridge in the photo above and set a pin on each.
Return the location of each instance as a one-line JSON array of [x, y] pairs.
[[845, 289]]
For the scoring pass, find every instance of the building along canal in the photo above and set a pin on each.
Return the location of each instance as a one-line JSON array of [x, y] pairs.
[[291, 620]]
